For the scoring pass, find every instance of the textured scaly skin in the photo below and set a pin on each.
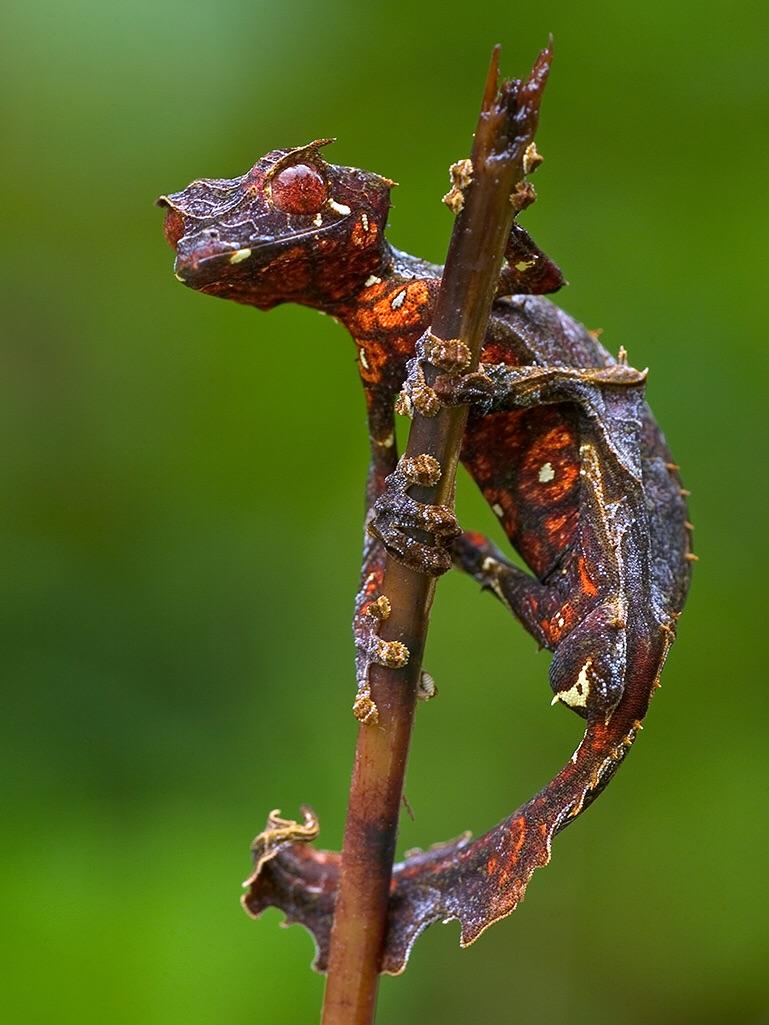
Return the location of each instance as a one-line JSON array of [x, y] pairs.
[[564, 449]]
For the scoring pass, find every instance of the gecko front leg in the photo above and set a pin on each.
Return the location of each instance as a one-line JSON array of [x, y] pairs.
[[372, 606], [609, 398], [584, 630], [532, 603], [398, 517], [415, 533], [500, 386]]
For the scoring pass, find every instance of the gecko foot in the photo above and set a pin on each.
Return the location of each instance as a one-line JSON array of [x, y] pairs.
[[395, 514], [451, 355], [475, 389]]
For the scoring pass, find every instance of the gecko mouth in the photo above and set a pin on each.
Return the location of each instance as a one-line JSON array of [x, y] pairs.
[[201, 260], [202, 264]]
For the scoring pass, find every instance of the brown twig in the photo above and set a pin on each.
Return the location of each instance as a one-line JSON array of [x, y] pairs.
[[487, 197]]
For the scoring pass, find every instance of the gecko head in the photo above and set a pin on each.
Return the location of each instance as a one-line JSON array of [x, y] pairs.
[[292, 229], [587, 672]]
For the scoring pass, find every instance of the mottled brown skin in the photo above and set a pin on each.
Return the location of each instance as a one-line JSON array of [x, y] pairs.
[[563, 447]]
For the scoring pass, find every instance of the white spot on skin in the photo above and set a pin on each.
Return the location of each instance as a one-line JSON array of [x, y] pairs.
[[240, 255], [546, 473], [398, 300], [372, 279], [317, 220], [496, 587], [577, 749], [576, 696], [363, 360], [364, 221], [388, 442], [561, 622], [339, 208], [498, 509]]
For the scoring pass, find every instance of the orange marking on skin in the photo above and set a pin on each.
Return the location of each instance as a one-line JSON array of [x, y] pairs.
[[554, 524], [556, 439], [559, 529], [493, 352], [491, 865], [410, 309], [418, 294], [566, 474], [550, 452], [560, 623], [508, 868], [373, 583], [587, 585], [377, 363], [548, 630], [520, 840], [476, 539], [372, 293], [361, 237], [600, 736]]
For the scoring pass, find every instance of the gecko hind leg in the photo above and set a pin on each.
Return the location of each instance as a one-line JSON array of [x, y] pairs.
[[588, 666], [530, 601]]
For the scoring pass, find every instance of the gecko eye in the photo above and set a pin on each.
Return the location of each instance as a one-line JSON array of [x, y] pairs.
[[300, 189], [173, 227]]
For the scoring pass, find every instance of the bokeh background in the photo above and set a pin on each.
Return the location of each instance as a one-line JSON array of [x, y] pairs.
[[182, 508]]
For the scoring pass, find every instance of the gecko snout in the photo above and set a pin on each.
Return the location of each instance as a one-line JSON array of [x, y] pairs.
[[206, 257]]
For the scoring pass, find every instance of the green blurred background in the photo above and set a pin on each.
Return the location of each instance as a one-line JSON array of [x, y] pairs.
[[182, 511]]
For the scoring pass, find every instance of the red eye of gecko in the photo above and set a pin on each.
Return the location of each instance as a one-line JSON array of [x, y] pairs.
[[299, 190], [173, 227]]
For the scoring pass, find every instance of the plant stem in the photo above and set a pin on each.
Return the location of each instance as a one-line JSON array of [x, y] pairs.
[[505, 128]]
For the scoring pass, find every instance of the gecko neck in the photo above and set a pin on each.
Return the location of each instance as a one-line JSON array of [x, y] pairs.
[[397, 268]]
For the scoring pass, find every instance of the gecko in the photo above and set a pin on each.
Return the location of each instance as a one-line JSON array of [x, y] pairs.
[[561, 443]]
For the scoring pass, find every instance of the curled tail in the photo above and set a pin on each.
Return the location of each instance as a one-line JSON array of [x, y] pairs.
[[477, 882]]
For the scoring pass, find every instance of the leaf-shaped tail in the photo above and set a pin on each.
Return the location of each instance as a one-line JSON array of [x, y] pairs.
[[476, 882], [479, 882], [290, 875]]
